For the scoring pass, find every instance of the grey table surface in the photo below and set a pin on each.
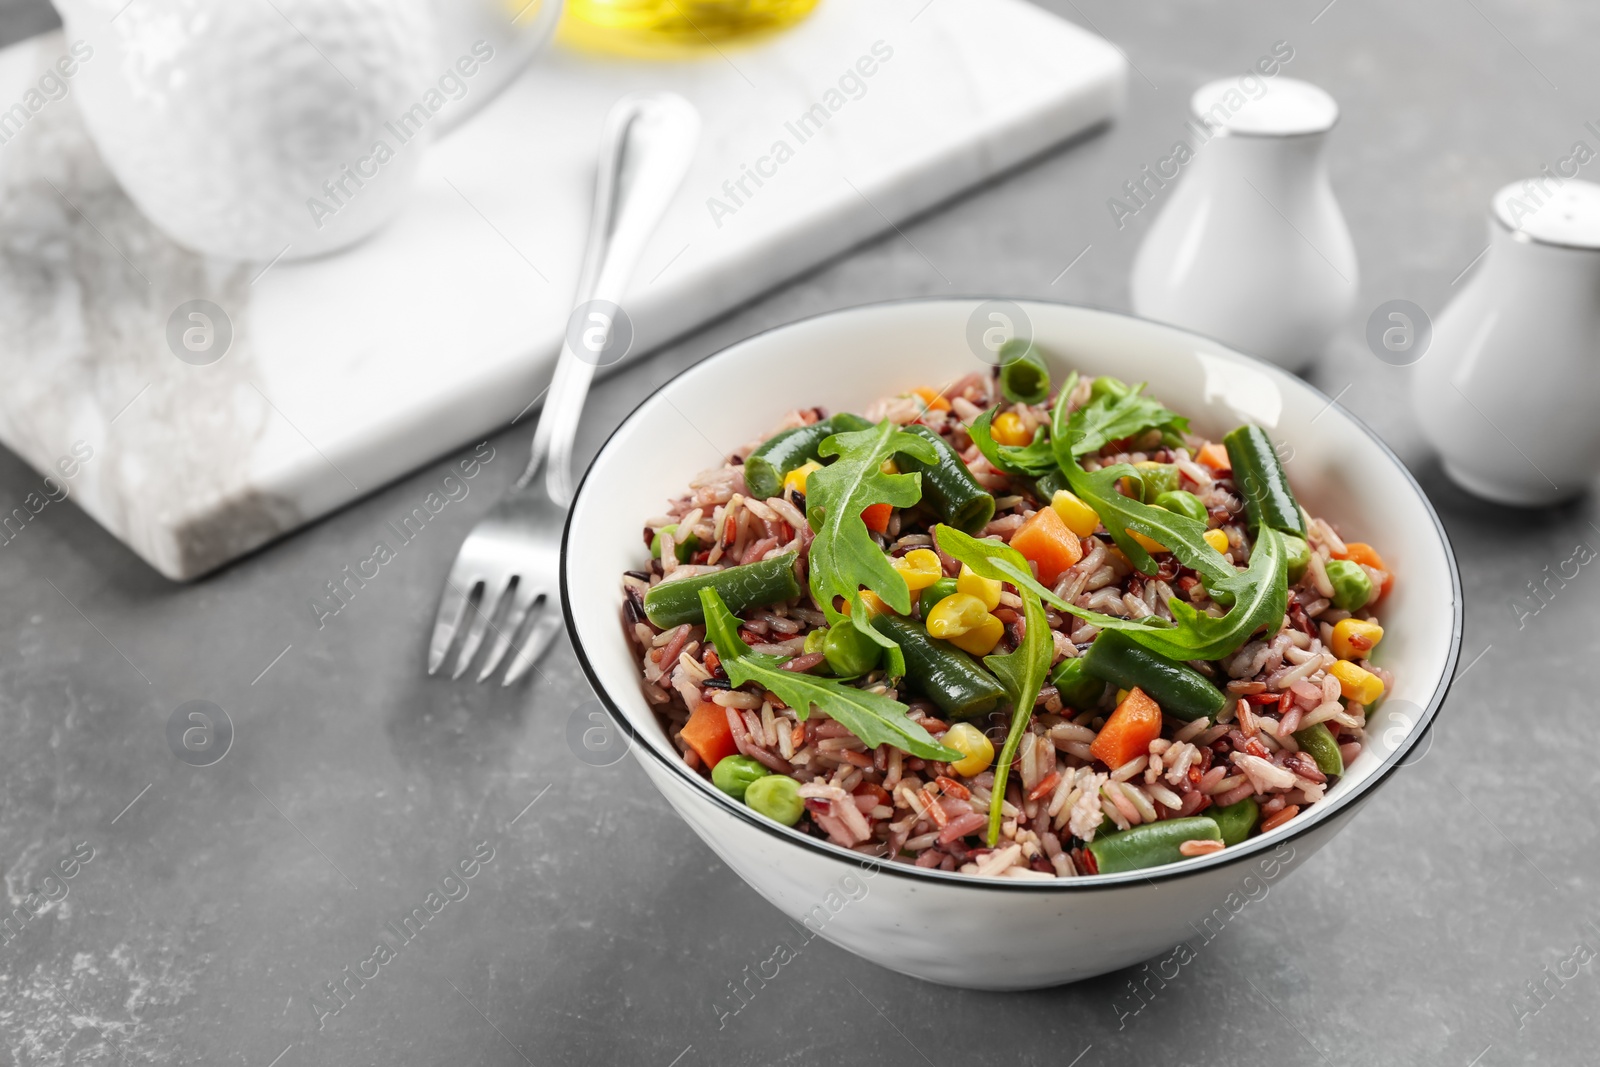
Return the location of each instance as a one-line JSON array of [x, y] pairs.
[[217, 900]]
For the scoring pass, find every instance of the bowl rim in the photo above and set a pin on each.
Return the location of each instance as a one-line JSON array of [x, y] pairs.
[[1319, 814]]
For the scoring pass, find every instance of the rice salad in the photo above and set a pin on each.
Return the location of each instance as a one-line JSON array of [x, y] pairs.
[[1009, 627]]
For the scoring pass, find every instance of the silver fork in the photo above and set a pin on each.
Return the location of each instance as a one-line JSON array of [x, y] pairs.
[[508, 570]]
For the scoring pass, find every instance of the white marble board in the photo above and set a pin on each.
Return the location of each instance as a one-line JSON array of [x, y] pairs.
[[348, 371]]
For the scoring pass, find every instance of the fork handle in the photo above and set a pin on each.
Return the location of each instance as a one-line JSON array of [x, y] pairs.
[[646, 145]]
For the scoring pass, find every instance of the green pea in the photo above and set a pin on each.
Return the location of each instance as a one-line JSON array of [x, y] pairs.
[[1299, 554], [936, 592], [1078, 688], [814, 641], [848, 651], [1182, 502], [1352, 588], [1235, 821], [735, 774], [1158, 480], [777, 796], [1318, 742], [686, 548]]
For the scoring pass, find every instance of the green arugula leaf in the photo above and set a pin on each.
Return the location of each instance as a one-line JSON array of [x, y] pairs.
[[1105, 419], [1022, 672], [844, 557], [1260, 595], [1027, 461], [875, 718]]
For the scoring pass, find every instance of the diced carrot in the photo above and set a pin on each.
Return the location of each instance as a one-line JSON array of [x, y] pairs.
[[1127, 734], [1045, 540], [1214, 456], [708, 733], [876, 516], [932, 398], [878, 792], [1364, 554]]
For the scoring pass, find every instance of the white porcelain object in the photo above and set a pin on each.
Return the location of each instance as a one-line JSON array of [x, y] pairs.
[[1509, 387], [1251, 247], [250, 131], [997, 933]]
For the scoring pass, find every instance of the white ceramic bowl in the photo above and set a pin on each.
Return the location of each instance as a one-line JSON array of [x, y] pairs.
[[995, 933]]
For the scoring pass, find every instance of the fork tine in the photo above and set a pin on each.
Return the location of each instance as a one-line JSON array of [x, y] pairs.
[[453, 603], [538, 642], [488, 607], [521, 601]]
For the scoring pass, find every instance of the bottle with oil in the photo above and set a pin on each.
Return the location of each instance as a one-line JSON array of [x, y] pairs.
[[667, 28]]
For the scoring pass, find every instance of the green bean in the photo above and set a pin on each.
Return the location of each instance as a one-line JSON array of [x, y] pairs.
[[768, 581], [765, 468], [934, 593], [1151, 844], [948, 484], [1078, 688], [849, 652], [777, 796], [1318, 741], [1234, 821], [1183, 692], [1299, 553], [942, 672], [1182, 502], [1259, 476], [1352, 586], [1024, 379], [735, 774], [684, 549]]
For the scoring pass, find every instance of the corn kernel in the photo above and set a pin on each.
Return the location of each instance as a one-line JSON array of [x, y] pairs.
[[889, 466], [920, 568], [981, 639], [1009, 429], [875, 605], [1356, 683], [796, 479], [977, 751], [974, 584], [1355, 638], [1079, 517], [1122, 694], [1217, 540], [1146, 543], [955, 615]]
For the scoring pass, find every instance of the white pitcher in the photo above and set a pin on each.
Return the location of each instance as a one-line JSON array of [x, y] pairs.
[[1509, 388], [1251, 247], [250, 130]]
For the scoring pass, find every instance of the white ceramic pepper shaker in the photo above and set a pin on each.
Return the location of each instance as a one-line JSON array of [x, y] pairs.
[[1509, 388], [1251, 248]]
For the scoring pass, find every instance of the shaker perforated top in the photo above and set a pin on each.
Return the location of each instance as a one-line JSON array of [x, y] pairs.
[[1264, 107], [1544, 212]]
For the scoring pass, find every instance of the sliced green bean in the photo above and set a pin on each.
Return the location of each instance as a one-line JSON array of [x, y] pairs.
[[685, 548], [948, 484], [769, 581], [934, 593], [1259, 476], [766, 467], [1319, 743], [1299, 554], [1183, 692], [1024, 379], [1078, 688], [942, 672], [1151, 844], [1234, 821]]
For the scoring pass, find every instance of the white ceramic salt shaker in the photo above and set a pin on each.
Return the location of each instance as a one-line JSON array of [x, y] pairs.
[[1251, 247], [1508, 390]]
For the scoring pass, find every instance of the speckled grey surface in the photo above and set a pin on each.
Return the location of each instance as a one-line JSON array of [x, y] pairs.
[[219, 899]]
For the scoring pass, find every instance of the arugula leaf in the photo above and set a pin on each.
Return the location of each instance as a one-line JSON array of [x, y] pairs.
[[1105, 419], [875, 718], [1260, 595], [844, 557], [1022, 672], [1027, 461]]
